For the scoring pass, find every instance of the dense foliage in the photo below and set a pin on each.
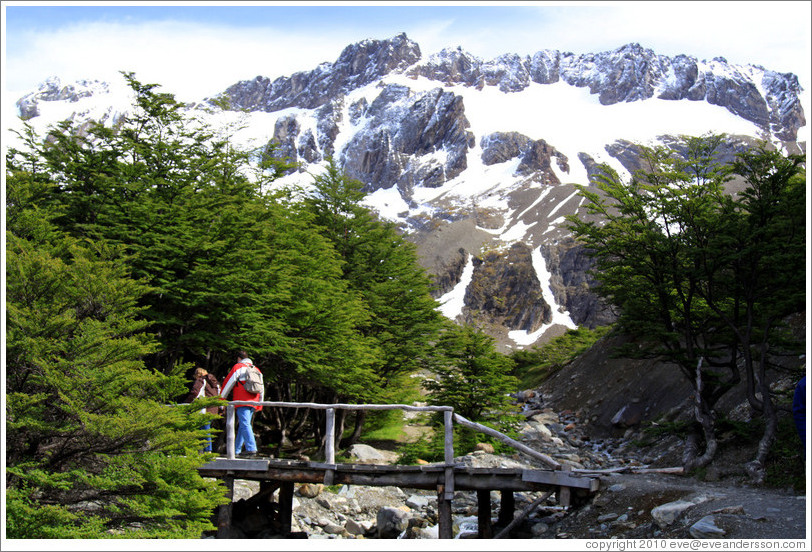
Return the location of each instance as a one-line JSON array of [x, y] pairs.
[[704, 278], [139, 250], [231, 265], [381, 270], [92, 447], [475, 379]]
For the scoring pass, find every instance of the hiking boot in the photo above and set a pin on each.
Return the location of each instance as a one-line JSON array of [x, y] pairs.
[[247, 454]]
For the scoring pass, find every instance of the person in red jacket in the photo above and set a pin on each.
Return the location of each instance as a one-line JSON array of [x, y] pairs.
[[234, 381]]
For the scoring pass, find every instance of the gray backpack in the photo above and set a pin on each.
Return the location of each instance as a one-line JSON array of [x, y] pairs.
[[253, 383]]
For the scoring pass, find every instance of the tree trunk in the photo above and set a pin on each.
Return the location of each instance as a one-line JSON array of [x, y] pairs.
[[703, 416], [755, 468], [360, 417], [690, 450], [341, 417]]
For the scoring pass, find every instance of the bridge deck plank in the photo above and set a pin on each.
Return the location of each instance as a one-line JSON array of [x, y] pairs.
[[420, 477]]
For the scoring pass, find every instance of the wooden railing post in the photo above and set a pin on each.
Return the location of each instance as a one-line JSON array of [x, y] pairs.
[[448, 421], [446, 491], [330, 446], [230, 419], [224, 511]]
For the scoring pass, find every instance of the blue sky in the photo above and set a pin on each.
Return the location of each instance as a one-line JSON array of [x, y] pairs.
[[195, 50]]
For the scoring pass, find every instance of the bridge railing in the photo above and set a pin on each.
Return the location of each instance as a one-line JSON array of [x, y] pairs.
[[449, 417]]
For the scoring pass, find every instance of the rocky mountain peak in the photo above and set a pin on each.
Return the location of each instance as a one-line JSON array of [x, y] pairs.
[[358, 65], [53, 89], [371, 59], [450, 66], [462, 169], [627, 74]]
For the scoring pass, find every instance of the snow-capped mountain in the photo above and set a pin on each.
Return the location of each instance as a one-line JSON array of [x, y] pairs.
[[476, 160]]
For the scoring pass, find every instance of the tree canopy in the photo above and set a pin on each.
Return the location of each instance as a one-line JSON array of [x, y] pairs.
[[140, 249], [694, 268], [92, 449]]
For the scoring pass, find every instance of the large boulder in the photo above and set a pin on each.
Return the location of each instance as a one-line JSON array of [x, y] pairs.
[[310, 490], [392, 522], [365, 454]]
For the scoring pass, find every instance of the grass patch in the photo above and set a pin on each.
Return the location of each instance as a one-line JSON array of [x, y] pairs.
[[391, 432], [660, 429], [386, 426]]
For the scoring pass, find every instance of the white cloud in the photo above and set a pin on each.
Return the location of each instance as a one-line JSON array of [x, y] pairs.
[[190, 60]]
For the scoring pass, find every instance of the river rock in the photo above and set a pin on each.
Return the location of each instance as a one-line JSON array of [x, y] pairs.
[[666, 514], [333, 529], [706, 528], [539, 529], [310, 490], [547, 416], [324, 502], [541, 430], [354, 527], [418, 502], [629, 415], [392, 522], [432, 532], [365, 454]]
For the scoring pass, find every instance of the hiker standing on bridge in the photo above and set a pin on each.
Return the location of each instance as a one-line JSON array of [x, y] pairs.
[[205, 385], [236, 381]]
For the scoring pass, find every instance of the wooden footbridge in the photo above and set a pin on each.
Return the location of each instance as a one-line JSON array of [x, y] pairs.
[[445, 478]]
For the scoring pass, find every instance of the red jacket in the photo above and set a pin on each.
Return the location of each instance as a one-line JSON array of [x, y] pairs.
[[234, 380]]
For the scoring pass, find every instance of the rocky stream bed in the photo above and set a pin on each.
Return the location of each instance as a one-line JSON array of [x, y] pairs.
[[637, 499]]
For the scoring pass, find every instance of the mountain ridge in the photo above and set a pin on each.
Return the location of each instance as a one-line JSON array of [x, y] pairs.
[[477, 161], [628, 73]]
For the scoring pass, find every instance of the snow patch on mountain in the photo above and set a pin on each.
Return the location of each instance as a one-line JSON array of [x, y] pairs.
[[560, 315], [452, 303], [388, 203]]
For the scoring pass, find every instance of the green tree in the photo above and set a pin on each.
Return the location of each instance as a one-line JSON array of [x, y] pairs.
[[670, 247], [763, 229], [92, 448], [381, 268], [230, 263], [474, 379], [179, 199]]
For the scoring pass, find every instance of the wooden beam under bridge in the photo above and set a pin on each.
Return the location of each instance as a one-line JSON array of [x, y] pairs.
[[428, 477], [416, 477]]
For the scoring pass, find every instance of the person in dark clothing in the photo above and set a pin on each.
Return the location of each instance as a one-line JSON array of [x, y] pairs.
[[799, 411], [204, 385]]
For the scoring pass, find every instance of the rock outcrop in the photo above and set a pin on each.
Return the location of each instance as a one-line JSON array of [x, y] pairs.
[[402, 138], [358, 65], [507, 291], [633, 73]]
